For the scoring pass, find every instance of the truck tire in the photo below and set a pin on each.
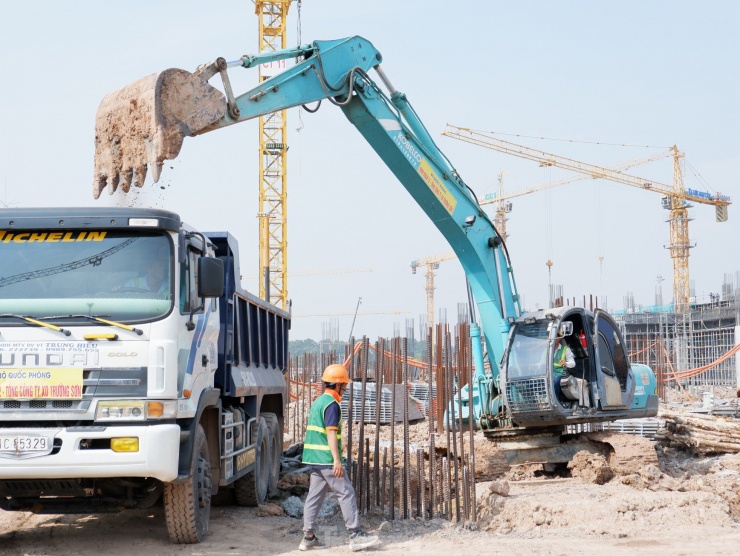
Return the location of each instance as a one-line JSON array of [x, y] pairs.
[[187, 505], [276, 448], [251, 490]]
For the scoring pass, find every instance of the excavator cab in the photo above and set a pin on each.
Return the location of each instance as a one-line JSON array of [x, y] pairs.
[[595, 382]]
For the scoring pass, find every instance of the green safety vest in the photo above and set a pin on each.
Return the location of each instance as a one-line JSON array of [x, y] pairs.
[[316, 449], [559, 356]]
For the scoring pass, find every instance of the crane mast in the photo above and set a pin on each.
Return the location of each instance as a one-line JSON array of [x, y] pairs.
[[431, 263], [273, 163], [675, 199]]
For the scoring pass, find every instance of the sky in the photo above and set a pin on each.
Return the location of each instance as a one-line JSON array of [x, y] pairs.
[[600, 77]]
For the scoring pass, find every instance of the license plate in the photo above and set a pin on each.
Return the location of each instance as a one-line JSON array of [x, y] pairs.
[[26, 444]]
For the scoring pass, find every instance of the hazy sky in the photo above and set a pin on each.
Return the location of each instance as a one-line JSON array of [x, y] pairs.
[[631, 72]]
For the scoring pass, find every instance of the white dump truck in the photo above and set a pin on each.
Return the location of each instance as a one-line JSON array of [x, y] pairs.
[[134, 367]]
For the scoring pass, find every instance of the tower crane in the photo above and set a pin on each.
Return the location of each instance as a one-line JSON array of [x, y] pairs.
[[503, 207], [675, 197], [273, 193], [501, 196], [432, 264]]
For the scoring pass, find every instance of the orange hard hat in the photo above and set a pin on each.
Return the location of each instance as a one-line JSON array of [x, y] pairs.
[[335, 373]]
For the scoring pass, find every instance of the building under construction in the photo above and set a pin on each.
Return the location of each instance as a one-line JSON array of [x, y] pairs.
[[693, 350]]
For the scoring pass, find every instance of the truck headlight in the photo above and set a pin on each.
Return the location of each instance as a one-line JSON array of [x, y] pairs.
[[134, 410]]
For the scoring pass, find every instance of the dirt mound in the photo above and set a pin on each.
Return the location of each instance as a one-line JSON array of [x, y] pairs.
[[591, 468], [611, 510]]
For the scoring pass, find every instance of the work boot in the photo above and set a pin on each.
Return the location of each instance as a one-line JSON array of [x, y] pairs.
[[309, 542], [360, 540]]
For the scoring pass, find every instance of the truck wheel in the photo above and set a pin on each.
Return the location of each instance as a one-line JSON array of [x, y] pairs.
[[251, 490], [276, 448], [187, 505]]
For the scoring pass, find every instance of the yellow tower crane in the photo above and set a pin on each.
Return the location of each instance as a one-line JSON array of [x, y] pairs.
[[675, 199], [432, 264], [273, 194]]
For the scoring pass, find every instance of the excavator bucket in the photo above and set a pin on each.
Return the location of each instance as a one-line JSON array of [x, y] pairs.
[[144, 123]]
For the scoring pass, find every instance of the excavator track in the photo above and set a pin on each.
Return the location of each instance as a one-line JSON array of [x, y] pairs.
[[625, 453]]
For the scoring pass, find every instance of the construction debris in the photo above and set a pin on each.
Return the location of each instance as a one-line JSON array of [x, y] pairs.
[[702, 433]]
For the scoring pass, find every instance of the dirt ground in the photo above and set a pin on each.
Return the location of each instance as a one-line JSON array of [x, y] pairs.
[[681, 504]]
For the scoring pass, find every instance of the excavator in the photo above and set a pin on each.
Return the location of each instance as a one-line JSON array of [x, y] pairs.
[[516, 397]]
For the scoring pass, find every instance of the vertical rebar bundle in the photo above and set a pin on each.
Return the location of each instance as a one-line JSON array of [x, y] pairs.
[[447, 487]]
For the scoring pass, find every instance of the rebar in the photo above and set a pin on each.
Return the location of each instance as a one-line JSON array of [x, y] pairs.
[[419, 483], [432, 420], [383, 480], [392, 501], [432, 477], [350, 415], [406, 463], [361, 440], [453, 422], [303, 408], [379, 360], [367, 476], [446, 491], [466, 493], [471, 427], [460, 377]]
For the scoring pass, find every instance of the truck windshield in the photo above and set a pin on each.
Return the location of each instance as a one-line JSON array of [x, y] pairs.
[[528, 351], [122, 275]]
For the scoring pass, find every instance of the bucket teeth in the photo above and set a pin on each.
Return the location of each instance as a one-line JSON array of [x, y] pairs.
[[146, 122], [126, 176], [112, 184], [140, 176]]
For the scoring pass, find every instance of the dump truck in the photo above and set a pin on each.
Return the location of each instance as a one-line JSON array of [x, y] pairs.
[[134, 367]]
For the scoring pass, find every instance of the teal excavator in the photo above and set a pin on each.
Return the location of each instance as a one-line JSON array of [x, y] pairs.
[[518, 394]]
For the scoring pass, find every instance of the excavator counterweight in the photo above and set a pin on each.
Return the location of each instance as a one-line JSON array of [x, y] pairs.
[[145, 122]]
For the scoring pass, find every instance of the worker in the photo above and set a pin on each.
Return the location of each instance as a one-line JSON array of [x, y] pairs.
[[322, 450], [561, 361], [155, 280]]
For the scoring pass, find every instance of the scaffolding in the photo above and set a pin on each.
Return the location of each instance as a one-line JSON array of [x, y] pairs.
[[670, 342]]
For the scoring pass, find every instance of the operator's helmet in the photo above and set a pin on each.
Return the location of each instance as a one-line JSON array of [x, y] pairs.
[[335, 373]]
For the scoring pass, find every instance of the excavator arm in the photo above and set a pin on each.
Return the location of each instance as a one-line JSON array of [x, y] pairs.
[[136, 127]]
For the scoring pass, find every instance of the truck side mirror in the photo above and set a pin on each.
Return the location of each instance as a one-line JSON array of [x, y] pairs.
[[210, 277]]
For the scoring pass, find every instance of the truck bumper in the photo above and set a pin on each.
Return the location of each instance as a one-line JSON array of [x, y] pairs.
[[157, 455]]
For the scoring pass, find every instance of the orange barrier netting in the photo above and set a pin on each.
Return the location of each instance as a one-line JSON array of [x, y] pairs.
[[688, 373]]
